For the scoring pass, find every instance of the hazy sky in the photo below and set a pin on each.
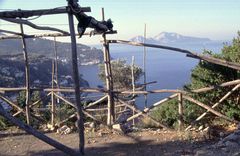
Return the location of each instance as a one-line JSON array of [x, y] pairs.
[[215, 19]]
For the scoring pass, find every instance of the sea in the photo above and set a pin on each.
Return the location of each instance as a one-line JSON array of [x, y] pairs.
[[171, 70]]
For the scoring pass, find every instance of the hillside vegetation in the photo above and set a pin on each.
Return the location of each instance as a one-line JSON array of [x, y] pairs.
[[208, 74], [45, 47], [12, 71]]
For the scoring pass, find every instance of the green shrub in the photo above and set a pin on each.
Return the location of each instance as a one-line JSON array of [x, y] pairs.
[[203, 75], [166, 113]]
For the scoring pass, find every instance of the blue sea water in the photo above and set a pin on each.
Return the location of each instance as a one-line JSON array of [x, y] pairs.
[[171, 70]]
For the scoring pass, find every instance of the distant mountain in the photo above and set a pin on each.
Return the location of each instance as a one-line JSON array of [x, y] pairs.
[[86, 55], [171, 38]]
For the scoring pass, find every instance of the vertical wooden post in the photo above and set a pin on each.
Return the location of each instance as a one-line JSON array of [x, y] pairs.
[[144, 67], [27, 79], [133, 78], [180, 111], [56, 62], [56, 66], [76, 79], [53, 105], [133, 87], [109, 80]]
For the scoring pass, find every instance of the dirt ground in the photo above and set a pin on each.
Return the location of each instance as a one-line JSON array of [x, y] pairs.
[[103, 143]]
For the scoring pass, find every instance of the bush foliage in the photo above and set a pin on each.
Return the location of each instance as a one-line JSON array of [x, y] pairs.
[[203, 75]]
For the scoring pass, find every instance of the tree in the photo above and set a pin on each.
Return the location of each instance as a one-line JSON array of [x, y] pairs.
[[121, 72]]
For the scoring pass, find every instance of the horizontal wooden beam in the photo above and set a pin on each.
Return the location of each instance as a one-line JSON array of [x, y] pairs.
[[97, 90], [96, 109], [30, 13], [187, 52], [11, 32], [12, 89], [86, 90], [18, 35], [225, 84], [151, 91], [215, 61], [26, 22]]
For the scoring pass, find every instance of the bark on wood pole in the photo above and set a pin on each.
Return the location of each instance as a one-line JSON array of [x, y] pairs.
[[225, 84], [56, 66], [210, 59], [146, 110], [144, 66], [215, 105], [133, 87], [56, 62], [26, 22], [96, 102], [16, 36], [71, 104], [37, 134], [30, 13], [133, 78], [180, 111], [143, 114], [109, 81], [53, 108], [11, 103], [209, 109], [76, 79], [27, 78]]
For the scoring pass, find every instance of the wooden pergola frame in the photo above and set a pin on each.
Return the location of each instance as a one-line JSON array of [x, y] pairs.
[[16, 17], [109, 93]]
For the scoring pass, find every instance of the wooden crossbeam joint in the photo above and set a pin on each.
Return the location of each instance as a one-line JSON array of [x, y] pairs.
[[29, 13]]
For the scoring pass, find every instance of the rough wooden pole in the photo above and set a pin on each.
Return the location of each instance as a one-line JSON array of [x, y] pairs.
[[209, 109], [109, 82], [146, 110], [215, 105], [26, 22], [112, 105], [210, 59], [30, 13], [53, 104], [133, 78], [37, 134], [143, 114], [56, 65], [27, 78], [133, 87], [144, 66], [56, 62], [76, 80], [180, 111], [18, 35]]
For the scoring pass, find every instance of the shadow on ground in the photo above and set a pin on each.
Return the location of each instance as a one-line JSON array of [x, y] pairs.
[[137, 148]]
